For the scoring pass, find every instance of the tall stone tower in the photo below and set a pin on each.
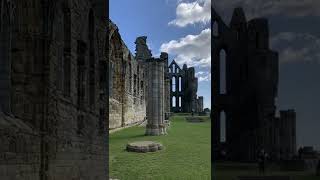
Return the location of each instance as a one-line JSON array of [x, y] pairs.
[[244, 86]]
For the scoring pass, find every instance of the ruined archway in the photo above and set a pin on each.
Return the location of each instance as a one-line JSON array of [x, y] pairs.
[[91, 58], [116, 71], [173, 84], [223, 127]]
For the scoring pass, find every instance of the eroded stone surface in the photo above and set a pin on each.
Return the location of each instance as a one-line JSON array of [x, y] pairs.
[[53, 89], [144, 146], [183, 93]]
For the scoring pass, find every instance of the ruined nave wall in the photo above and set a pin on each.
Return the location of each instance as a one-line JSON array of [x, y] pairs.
[[127, 84]]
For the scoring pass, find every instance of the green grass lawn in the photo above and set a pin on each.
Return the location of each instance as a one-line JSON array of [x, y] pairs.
[[186, 154], [231, 170]]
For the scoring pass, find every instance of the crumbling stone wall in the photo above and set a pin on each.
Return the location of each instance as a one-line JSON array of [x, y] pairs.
[[199, 104], [183, 88], [129, 80], [57, 121], [127, 83]]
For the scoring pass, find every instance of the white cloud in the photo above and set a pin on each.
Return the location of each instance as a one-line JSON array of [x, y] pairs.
[[193, 50], [203, 76], [296, 47], [192, 12]]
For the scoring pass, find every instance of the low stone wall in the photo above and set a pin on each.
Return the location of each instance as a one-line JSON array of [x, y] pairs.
[[115, 116], [129, 114]]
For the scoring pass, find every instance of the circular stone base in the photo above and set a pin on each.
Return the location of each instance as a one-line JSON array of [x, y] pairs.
[[144, 146], [194, 119]]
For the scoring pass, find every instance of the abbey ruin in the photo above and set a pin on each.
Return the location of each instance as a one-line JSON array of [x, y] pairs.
[[64, 71], [244, 89], [184, 87], [132, 78]]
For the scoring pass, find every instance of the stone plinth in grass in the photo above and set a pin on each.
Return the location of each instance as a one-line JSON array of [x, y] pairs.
[[144, 146], [194, 119]]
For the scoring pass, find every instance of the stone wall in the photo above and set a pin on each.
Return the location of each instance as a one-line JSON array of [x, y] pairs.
[[19, 149], [58, 115], [127, 83], [183, 88], [287, 133], [199, 104]]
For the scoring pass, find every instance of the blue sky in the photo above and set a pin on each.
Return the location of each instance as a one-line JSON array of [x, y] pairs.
[[179, 27]]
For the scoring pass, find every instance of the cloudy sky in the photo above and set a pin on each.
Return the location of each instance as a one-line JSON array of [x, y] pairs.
[[178, 27], [294, 33]]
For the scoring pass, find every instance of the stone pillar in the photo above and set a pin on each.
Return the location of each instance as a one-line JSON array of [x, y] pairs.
[[164, 57], [5, 60], [167, 98], [155, 102]]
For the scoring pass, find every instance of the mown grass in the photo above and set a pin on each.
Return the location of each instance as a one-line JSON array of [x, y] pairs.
[[186, 154], [231, 170]]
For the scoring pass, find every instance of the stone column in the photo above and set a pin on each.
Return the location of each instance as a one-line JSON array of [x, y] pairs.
[[167, 98], [155, 102]]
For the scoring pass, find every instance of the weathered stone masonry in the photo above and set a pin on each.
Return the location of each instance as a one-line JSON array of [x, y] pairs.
[[53, 89], [130, 79], [183, 89], [127, 83], [156, 97]]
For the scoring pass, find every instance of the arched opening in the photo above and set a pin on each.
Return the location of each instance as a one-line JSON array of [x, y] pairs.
[[135, 83], [115, 54], [223, 137], [130, 78], [92, 59], [177, 70], [142, 93], [173, 68], [169, 70], [180, 83], [173, 101], [81, 57], [173, 84], [180, 104], [66, 51], [215, 29], [223, 72], [257, 40]]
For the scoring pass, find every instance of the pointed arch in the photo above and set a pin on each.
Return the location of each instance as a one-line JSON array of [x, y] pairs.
[[180, 83], [173, 101], [92, 62], [223, 125], [66, 50], [223, 71], [173, 85]]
